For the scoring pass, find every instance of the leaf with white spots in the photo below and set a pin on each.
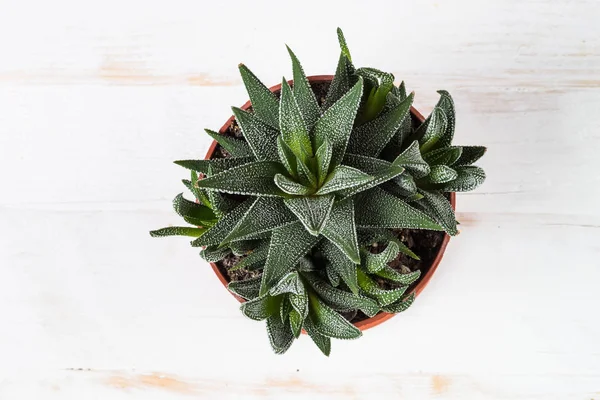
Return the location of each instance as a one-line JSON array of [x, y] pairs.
[[330, 323], [217, 164], [253, 179], [380, 170], [372, 289], [412, 161], [216, 234], [257, 255], [307, 102], [265, 214], [280, 335], [343, 177], [341, 300], [312, 211], [296, 322], [290, 283], [286, 156], [214, 253], [469, 155], [341, 229], [444, 156], [338, 264], [247, 288], [235, 147], [400, 305], [264, 102], [469, 178], [290, 186], [291, 124], [178, 231], [260, 136], [261, 307], [323, 157], [440, 174], [322, 342], [395, 276], [376, 262], [193, 213]]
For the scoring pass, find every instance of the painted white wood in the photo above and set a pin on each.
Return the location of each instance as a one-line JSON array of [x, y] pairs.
[[97, 99]]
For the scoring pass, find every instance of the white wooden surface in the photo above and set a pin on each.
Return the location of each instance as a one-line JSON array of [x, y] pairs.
[[97, 99]]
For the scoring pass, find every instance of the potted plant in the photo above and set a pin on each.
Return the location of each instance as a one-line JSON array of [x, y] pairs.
[[325, 203]]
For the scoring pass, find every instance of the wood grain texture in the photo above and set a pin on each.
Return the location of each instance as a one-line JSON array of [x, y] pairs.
[[97, 99]]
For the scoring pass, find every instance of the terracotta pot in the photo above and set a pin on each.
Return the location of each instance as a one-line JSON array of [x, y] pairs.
[[423, 280]]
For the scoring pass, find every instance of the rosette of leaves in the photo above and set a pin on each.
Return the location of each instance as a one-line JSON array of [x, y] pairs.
[[307, 191]]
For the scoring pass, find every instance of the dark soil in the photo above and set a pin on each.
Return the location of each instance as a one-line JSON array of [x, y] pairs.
[[424, 243]]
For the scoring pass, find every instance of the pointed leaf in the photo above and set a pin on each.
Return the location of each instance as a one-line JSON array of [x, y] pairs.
[[340, 264], [330, 323], [260, 136], [193, 213], [447, 105], [290, 283], [257, 255], [265, 214], [380, 170], [372, 289], [264, 102], [247, 288], [342, 81], [217, 164], [221, 205], [296, 321], [341, 300], [441, 174], [369, 139], [307, 102], [336, 123], [284, 309], [253, 179], [404, 186], [435, 127], [178, 231], [290, 186], [216, 234], [469, 178], [280, 335], [261, 307], [289, 243], [444, 156], [300, 303], [322, 342], [400, 305], [470, 154], [292, 125], [344, 177], [379, 209], [286, 156], [412, 161], [305, 175], [341, 229], [343, 44], [395, 276], [376, 262], [312, 211], [323, 156], [235, 147], [214, 254]]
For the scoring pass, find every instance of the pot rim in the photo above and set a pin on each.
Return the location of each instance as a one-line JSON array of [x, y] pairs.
[[422, 281]]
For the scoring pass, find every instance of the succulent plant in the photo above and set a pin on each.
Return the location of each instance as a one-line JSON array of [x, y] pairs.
[[309, 189]]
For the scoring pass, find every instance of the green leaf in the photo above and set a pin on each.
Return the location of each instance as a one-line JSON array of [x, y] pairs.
[[402, 91], [284, 309], [469, 178], [400, 305], [435, 128], [367, 237], [260, 136], [395, 276], [343, 177], [300, 303], [323, 157], [372, 289], [289, 243], [343, 44], [290, 283], [306, 176], [380, 170], [447, 105], [221, 205], [261, 307], [378, 84], [470, 154], [292, 187], [341, 300], [339, 264], [312, 211], [200, 195], [412, 161], [243, 247], [265, 214], [280, 335], [286, 156], [328, 322], [253, 179], [441, 174], [444, 156], [336, 123], [235, 147], [307, 102], [342, 81], [341, 229], [216, 234], [214, 254], [296, 321], [376, 262], [369, 139], [248, 288], [264, 102], [193, 213], [322, 342], [178, 231], [332, 275], [292, 125], [379, 209], [257, 255], [217, 164], [404, 186]]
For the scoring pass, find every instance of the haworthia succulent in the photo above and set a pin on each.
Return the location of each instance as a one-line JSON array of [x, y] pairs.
[[412, 161], [248, 288], [376, 262], [441, 174], [261, 307], [400, 305], [468, 179], [447, 105], [305, 175], [341, 229], [394, 276], [286, 156], [435, 128], [382, 210], [216, 234], [330, 323], [258, 255], [214, 253], [289, 243], [342, 81], [312, 211], [369, 139], [280, 335], [339, 264], [235, 147], [322, 342], [178, 231], [292, 125], [341, 300], [290, 186], [304, 94], [323, 158], [253, 179], [342, 178], [260, 136], [372, 289], [336, 123], [380, 170], [469, 155], [192, 212], [296, 322], [264, 102], [444, 156], [221, 204]]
